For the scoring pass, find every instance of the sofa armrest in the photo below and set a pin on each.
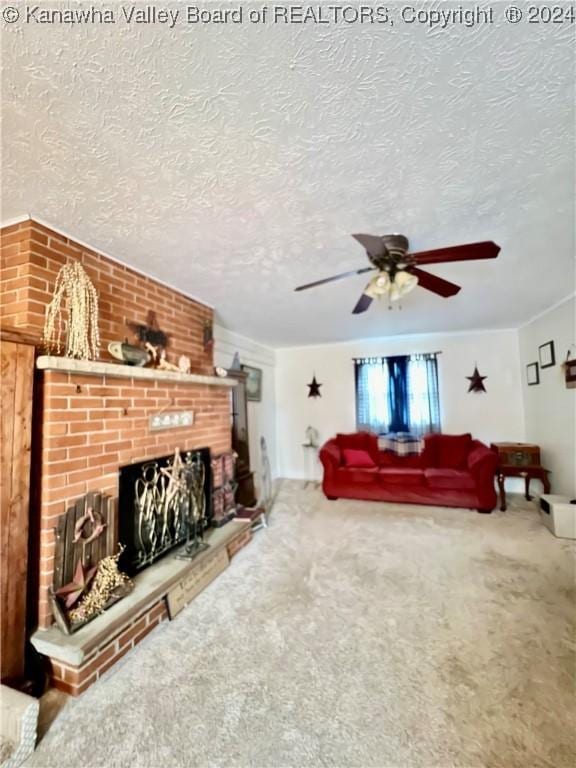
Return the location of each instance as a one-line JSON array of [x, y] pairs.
[[482, 464], [331, 458]]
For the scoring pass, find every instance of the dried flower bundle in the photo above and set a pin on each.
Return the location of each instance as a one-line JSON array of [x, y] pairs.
[[108, 578], [82, 337]]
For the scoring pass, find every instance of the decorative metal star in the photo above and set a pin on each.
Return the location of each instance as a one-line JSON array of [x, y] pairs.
[[314, 388], [73, 591], [476, 381]]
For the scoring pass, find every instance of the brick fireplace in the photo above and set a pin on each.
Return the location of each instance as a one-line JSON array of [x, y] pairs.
[[93, 424], [91, 418]]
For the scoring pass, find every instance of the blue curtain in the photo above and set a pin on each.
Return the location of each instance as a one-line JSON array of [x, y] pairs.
[[398, 394]]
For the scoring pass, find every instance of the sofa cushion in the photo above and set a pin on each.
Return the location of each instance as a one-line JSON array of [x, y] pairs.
[[429, 452], [354, 457], [353, 475], [359, 441], [401, 476], [451, 479], [450, 451], [356, 440]]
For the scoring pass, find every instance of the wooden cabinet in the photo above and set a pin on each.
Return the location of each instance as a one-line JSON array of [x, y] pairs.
[[517, 454], [17, 361], [244, 476]]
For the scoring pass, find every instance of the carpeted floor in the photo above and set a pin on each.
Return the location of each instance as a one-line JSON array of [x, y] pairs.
[[352, 634]]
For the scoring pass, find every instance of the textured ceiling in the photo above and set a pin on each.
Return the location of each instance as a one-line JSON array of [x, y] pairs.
[[234, 161]]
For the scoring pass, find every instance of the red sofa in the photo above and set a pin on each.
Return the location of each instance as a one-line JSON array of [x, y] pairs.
[[451, 471]]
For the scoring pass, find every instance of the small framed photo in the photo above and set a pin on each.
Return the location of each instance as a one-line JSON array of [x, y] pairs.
[[253, 383], [546, 355], [532, 374]]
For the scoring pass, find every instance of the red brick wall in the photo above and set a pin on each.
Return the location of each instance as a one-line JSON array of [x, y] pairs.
[[31, 256], [88, 435], [15, 281]]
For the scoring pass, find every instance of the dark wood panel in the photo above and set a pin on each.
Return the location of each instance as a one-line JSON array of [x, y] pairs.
[[68, 551], [245, 493], [17, 362]]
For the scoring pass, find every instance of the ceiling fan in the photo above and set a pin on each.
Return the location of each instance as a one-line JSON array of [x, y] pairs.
[[398, 272]]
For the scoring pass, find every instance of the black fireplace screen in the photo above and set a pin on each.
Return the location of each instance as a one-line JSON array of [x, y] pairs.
[[159, 501]]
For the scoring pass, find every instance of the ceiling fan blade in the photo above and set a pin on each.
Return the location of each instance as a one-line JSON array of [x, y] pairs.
[[469, 252], [362, 304], [433, 283], [373, 244], [334, 277]]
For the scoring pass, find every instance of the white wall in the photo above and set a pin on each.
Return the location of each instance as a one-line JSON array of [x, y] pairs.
[[491, 416], [550, 406], [261, 415]]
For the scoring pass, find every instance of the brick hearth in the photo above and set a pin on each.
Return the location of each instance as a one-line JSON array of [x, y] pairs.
[[78, 660], [75, 680]]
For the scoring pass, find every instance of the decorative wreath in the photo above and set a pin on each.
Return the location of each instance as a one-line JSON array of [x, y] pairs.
[[98, 525]]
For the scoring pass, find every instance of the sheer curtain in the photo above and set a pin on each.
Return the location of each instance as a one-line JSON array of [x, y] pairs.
[[398, 394], [423, 394], [372, 407]]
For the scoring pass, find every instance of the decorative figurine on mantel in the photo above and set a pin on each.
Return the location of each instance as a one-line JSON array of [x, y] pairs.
[[75, 293], [184, 364], [159, 360], [129, 354]]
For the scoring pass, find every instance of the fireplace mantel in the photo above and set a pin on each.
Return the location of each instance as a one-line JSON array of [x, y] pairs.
[[96, 368]]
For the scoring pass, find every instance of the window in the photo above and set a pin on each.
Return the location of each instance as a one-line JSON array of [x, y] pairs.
[[397, 394]]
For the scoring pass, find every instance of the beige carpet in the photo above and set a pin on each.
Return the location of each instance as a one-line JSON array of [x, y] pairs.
[[352, 634]]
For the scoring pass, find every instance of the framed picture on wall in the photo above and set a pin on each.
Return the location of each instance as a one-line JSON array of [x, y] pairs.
[[253, 383], [546, 355], [532, 374]]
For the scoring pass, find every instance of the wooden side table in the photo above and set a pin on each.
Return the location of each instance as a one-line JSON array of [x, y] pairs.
[[537, 472], [519, 460]]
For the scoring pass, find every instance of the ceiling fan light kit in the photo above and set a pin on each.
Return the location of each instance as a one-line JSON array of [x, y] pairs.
[[402, 284], [399, 272]]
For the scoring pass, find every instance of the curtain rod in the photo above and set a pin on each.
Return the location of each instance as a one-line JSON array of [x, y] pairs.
[[384, 357]]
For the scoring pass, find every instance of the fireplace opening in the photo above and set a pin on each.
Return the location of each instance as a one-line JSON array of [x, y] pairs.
[[162, 502]]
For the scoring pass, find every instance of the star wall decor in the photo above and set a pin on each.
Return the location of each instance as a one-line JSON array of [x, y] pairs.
[[476, 381], [73, 591], [314, 388]]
